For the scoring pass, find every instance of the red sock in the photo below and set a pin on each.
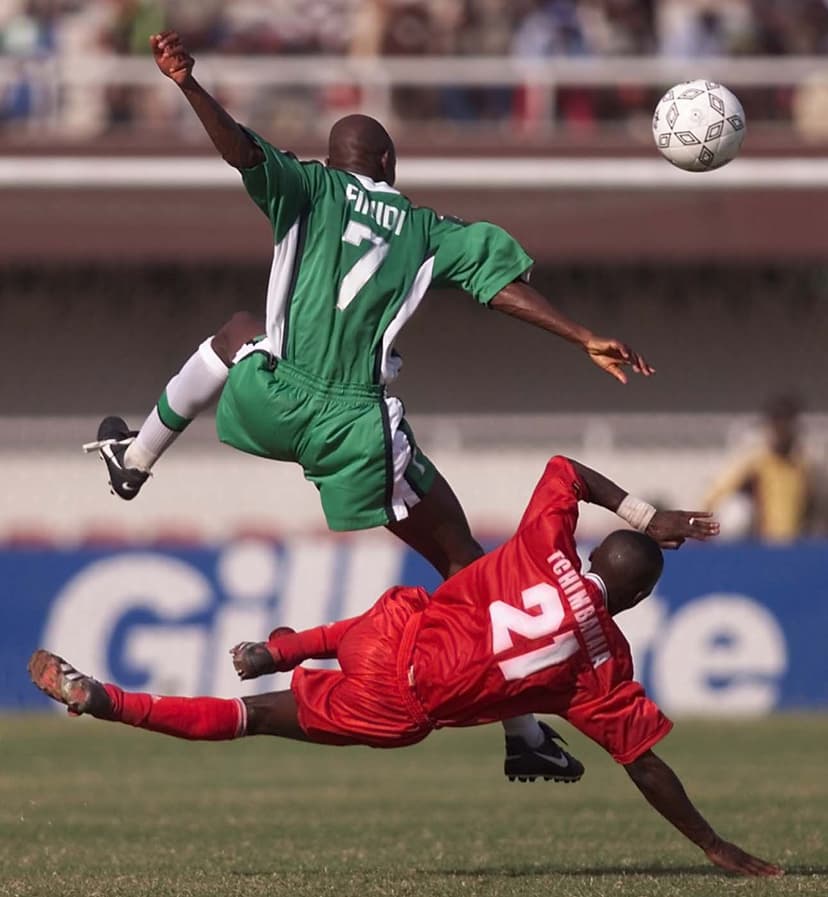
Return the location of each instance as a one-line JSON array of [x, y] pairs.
[[199, 719]]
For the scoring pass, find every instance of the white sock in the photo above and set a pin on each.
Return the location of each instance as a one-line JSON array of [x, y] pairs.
[[195, 387], [526, 727]]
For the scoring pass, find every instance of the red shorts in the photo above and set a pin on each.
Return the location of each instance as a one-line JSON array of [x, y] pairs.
[[369, 700]]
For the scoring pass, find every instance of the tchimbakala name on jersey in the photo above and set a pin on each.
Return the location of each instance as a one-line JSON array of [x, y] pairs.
[[386, 216], [573, 589]]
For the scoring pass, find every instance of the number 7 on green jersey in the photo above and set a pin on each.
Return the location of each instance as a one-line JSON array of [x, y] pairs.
[[366, 266]]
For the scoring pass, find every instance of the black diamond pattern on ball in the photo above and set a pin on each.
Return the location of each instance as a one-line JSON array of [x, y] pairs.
[[672, 115], [663, 140], [691, 93], [712, 85], [714, 131], [716, 103], [705, 156], [688, 138], [736, 122], [667, 96]]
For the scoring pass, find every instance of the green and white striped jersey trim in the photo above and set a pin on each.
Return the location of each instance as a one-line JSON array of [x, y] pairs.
[[391, 363], [283, 271]]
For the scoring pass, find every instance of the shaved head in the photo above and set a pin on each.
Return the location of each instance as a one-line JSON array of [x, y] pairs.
[[630, 564], [360, 144]]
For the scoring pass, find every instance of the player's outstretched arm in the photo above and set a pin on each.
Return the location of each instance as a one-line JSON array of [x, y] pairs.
[[229, 138], [520, 300], [668, 528], [665, 793]]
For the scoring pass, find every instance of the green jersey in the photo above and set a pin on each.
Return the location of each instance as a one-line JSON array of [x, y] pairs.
[[352, 261]]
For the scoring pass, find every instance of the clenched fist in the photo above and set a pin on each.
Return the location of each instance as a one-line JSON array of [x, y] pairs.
[[171, 56]]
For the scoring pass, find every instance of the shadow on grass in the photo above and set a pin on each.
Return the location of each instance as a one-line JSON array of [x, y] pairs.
[[568, 871], [563, 871], [604, 871]]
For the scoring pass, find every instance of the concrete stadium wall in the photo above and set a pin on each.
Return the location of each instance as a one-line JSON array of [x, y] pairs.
[[98, 340]]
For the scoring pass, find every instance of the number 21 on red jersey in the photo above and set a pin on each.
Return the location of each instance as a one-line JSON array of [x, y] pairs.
[[508, 619]]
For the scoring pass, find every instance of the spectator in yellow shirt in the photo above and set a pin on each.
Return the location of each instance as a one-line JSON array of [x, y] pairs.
[[776, 478]]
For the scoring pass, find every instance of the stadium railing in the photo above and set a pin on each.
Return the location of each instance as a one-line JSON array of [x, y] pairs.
[[578, 431], [370, 83], [386, 71]]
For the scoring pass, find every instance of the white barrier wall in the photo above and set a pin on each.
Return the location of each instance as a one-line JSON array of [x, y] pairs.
[[202, 490], [216, 494]]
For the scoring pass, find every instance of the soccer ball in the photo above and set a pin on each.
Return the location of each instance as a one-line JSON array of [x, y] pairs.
[[699, 125]]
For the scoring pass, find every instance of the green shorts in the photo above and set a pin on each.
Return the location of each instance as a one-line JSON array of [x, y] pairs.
[[352, 441]]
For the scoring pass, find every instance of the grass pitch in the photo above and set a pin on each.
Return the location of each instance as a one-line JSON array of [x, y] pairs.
[[89, 808]]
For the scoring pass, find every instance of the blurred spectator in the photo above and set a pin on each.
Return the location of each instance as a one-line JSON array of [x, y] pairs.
[[27, 36], [409, 31], [134, 21], [208, 23], [809, 108], [482, 28], [630, 26], [705, 28], [768, 28], [776, 479], [487, 28], [703, 34], [368, 26], [806, 31], [28, 28], [549, 28]]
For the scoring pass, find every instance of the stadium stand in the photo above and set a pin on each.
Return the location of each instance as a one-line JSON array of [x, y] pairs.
[[68, 68]]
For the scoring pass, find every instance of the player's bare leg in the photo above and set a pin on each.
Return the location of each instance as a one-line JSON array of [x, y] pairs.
[[240, 329], [274, 713], [436, 528], [130, 455]]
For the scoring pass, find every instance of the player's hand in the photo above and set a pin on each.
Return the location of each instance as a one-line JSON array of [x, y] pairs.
[[254, 659], [171, 56], [612, 356], [671, 528], [732, 858]]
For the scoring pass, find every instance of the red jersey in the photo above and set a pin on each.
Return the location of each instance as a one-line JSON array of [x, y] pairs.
[[522, 630]]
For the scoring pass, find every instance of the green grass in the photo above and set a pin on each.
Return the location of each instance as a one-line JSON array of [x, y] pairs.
[[89, 808]]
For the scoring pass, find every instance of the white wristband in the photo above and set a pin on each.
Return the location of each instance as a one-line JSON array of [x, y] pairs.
[[636, 512]]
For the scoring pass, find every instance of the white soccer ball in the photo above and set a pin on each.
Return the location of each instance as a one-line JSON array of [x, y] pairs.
[[699, 125]]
